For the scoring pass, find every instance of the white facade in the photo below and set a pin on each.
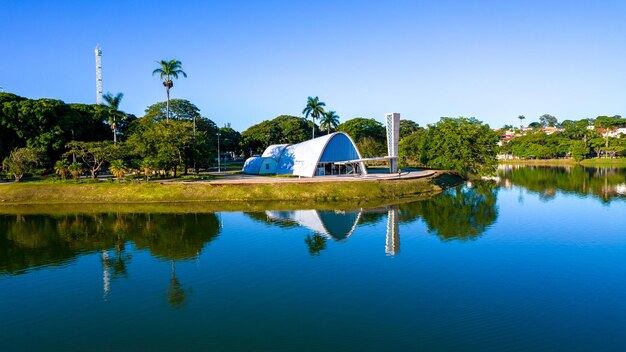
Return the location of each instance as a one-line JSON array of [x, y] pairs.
[[325, 155]]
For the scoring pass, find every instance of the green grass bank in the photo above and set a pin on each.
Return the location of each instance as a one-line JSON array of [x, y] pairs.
[[604, 162], [36, 193]]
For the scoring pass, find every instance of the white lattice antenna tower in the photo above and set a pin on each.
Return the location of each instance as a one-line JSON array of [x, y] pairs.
[[392, 122], [98, 53]]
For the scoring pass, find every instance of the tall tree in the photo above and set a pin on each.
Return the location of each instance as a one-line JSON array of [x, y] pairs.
[[465, 145], [20, 162], [165, 145], [168, 70], [521, 120], [368, 134], [203, 140], [329, 120], [314, 108], [607, 123], [408, 127], [282, 129], [361, 127], [93, 154], [548, 120], [115, 115]]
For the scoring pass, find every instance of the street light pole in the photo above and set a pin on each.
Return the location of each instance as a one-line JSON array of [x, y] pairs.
[[219, 165], [194, 146], [73, 154]]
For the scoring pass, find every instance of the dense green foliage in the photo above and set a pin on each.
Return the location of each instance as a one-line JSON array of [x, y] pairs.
[[282, 129], [409, 148], [165, 145], [62, 133], [465, 145], [173, 136], [49, 124], [407, 127], [20, 162], [368, 134], [576, 139], [230, 140]]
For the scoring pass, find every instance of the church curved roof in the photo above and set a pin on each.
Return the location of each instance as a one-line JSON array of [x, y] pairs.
[[302, 158], [274, 151]]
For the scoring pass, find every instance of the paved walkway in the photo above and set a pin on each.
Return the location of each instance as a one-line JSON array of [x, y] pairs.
[[254, 179]]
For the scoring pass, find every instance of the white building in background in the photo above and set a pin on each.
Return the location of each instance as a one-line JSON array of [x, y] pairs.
[[332, 154], [617, 133]]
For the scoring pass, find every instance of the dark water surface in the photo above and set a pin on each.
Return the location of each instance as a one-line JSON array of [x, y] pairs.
[[535, 261]]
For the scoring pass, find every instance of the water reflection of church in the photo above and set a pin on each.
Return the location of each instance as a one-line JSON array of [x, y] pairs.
[[340, 225]]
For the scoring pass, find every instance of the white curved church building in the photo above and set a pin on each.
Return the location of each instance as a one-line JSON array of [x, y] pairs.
[[332, 154]]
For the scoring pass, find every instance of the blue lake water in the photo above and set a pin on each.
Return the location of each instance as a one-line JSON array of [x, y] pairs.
[[533, 262]]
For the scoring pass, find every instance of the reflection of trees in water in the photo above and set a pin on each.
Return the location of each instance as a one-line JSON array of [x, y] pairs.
[[176, 295], [176, 237], [27, 242], [34, 240], [373, 216], [604, 184], [315, 243], [31, 241], [460, 213], [263, 218]]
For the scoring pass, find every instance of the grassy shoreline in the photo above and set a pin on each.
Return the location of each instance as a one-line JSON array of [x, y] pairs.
[[355, 193], [618, 162]]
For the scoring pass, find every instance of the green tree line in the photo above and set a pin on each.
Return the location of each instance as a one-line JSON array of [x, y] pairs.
[[578, 139], [49, 136]]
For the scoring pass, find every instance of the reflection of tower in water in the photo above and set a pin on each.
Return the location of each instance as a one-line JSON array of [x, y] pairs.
[[392, 243], [106, 278]]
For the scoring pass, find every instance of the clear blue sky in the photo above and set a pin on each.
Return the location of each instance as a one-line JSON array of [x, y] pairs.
[[253, 60]]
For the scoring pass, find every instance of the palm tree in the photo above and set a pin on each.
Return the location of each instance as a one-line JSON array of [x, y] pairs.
[[521, 120], [329, 120], [118, 169], [113, 101], [314, 108], [167, 71], [76, 169], [61, 167]]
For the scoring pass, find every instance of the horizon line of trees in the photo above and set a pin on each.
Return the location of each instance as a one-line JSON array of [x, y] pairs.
[[575, 139], [45, 136]]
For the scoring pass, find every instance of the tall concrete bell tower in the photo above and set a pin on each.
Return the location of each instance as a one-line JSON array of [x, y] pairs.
[[393, 136]]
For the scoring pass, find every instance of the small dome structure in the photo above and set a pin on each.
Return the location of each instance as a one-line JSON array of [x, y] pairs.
[[252, 165], [266, 163]]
